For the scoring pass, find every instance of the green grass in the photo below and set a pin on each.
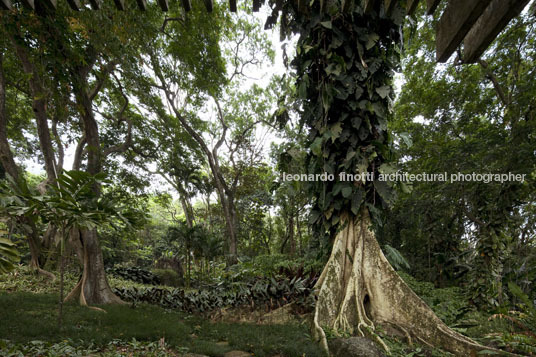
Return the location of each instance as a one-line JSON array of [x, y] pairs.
[[29, 316]]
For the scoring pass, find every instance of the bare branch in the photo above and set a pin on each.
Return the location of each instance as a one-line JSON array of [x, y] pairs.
[[79, 153], [496, 84], [109, 68], [59, 145], [168, 19], [128, 140]]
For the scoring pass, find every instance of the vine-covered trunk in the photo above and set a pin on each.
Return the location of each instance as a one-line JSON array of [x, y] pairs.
[[345, 63], [359, 290]]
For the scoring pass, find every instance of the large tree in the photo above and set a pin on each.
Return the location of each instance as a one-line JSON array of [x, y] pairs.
[[228, 139], [345, 64], [71, 62]]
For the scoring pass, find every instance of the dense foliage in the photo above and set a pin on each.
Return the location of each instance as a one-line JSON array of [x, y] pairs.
[[152, 147], [345, 63]]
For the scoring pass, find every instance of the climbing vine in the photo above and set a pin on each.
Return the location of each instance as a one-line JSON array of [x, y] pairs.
[[345, 64]]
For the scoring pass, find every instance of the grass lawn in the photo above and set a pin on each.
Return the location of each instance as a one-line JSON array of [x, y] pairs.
[[27, 317]]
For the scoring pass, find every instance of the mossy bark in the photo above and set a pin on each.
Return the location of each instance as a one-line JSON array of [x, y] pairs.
[[359, 290]]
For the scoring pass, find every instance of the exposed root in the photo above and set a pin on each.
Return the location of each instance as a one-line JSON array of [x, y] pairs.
[[48, 274], [97, 309], [358, 289]]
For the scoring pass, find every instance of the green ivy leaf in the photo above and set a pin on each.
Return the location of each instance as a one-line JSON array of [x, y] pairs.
[[327, 24], [316, 147], [347, 191], [383, 91]]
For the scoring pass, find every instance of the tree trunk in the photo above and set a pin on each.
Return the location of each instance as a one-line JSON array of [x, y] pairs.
[[229, 212], [291, 237], [93, 287], [188, 212], [359, 290], [39, 105], [8, 162]]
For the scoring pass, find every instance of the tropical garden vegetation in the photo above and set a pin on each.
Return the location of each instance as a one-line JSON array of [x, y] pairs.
[[144, 208]]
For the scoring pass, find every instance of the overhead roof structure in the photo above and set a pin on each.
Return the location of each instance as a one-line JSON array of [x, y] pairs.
[[475, 23]]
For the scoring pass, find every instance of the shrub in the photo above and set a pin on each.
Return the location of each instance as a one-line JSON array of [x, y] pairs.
[[266, 292], [275, 266], [136, 274], [168, 277]]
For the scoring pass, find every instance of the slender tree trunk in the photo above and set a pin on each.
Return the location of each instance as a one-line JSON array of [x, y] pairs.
[[8, 162], [298, 228], [39, 104], [188, 212], [291, 237], [229, 212], [62, 267]]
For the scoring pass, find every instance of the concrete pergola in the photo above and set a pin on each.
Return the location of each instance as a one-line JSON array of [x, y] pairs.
[[475, 23]]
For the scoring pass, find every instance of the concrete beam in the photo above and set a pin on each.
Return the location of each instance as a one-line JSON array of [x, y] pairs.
[[455, 23], [411, 6], [496, 17], [142, 4], [431, 6], [5, 5], [164, 5]]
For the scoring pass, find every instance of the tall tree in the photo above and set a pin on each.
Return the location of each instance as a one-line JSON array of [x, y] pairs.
[[10, 166], [345, 65], [234, 114], [97, 50]]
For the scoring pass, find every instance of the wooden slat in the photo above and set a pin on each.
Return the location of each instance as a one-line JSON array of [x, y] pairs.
[[142, 5], [74, 4], [163, 5], [28, 4], [369, 5], [95, 4], [455, 23], [48, 4], [257, 5], [45, 7], [389, 5], [489, 25], [209, 5], [431, 6], [186, 5], [411, 6], [5, 5], [232, 5], [120, 5]]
